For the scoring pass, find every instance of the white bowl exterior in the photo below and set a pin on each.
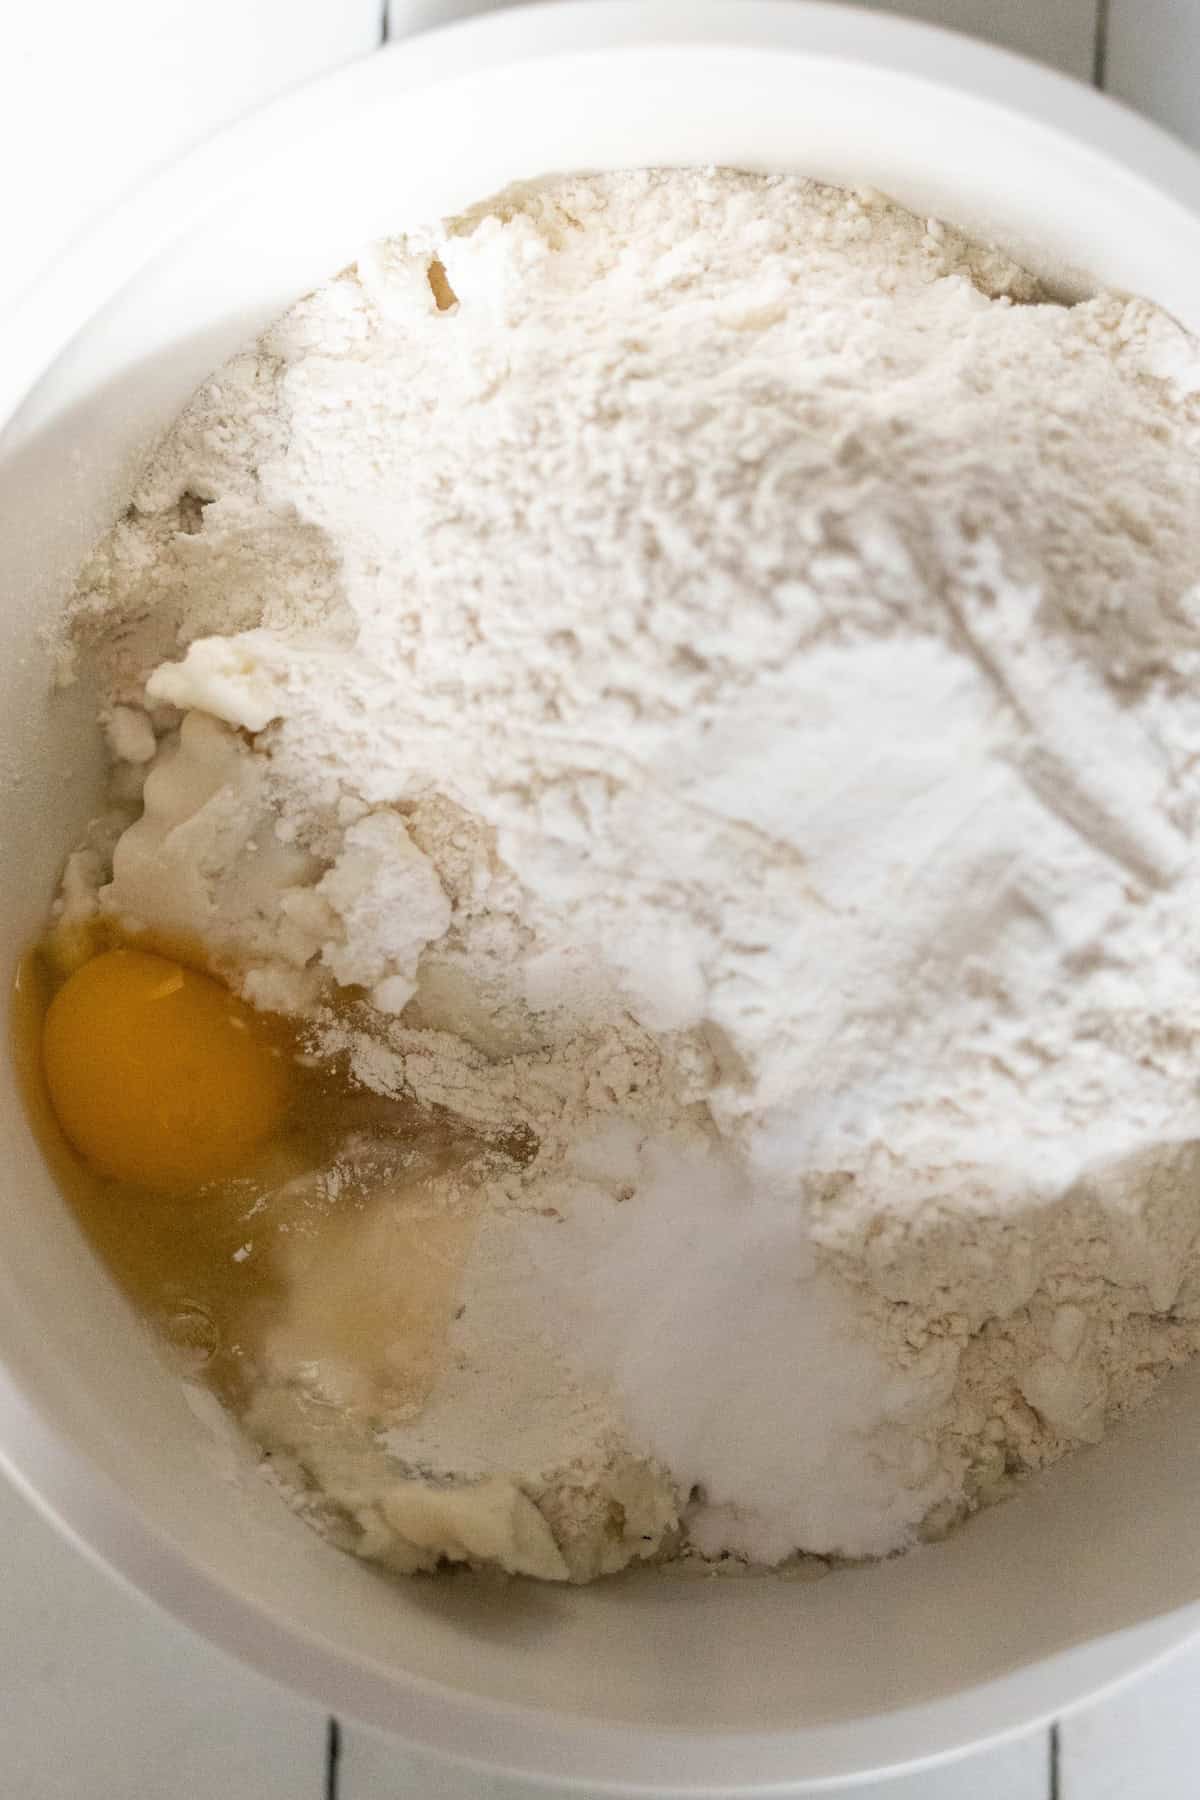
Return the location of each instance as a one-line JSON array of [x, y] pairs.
[[652, 1685]]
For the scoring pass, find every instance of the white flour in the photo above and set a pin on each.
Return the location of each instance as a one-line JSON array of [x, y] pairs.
[[725, 684]]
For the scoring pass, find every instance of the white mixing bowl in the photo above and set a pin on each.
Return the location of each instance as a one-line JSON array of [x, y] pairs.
[[655, 1683]]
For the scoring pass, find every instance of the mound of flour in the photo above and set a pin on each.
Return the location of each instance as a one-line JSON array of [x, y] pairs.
[[714, 660]]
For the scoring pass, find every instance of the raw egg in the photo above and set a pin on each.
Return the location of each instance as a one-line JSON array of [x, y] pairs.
[[158, 1074]]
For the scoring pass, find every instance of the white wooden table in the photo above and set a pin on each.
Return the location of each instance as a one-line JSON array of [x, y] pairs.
[[100, 1697]]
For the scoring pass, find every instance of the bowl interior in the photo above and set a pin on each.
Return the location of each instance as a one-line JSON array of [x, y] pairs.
[[681, 1682]]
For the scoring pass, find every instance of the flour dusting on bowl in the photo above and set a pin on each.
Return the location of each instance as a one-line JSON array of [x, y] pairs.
[[680, 687]]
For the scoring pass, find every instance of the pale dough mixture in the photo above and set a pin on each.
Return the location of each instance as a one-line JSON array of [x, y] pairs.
[[705, 667]]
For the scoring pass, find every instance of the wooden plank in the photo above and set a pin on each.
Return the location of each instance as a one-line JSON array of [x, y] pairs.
[[1152, 60], [1141, 1743], [1062, 32], [374, 1767], [93, 97], [104, 1696], [406, 17]]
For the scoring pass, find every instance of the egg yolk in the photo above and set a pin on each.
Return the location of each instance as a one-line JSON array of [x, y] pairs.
[[158, 1074]]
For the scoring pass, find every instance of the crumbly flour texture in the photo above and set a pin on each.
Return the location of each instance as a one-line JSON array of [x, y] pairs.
[[697, 677]]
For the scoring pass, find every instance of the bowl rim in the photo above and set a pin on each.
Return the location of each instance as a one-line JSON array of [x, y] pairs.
[[95, 263], [82, 1503]]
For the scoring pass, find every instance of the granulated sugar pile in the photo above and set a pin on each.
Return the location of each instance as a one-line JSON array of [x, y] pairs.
[[711, 662]]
